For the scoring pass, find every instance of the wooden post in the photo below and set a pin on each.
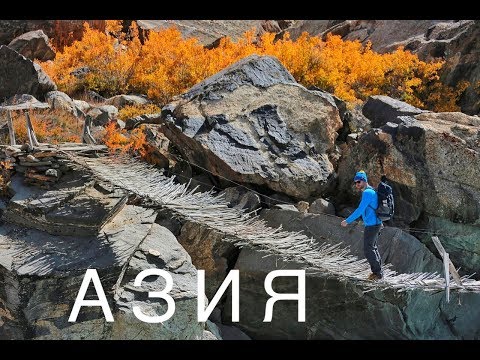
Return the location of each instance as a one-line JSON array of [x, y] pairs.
[[453, 270], [87, 137], [446, 260], [11, 130], [31, 132]]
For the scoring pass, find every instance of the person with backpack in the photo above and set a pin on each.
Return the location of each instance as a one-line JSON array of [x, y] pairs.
[[367, 209]]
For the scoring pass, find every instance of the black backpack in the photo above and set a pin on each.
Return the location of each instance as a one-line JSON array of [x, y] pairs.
[[386, 204]]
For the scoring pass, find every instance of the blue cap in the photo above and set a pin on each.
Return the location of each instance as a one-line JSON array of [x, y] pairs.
[[361, 175]]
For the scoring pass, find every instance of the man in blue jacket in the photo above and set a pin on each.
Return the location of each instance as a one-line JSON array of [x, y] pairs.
[[373, 225]]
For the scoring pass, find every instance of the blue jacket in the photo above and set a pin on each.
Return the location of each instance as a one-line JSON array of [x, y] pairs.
[[366, 209]]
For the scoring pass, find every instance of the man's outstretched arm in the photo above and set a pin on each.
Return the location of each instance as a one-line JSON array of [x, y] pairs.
[[366, 198]]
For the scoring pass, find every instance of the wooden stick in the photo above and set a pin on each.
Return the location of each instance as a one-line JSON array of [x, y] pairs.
[[453, 270], [11, 130], [87, 137], [446, 261], [31, 132]]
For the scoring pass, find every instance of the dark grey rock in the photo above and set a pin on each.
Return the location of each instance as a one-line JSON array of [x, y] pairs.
[[213, 329], [44, 274], [459, 240], [259, 71], [41, 273], [101, 115], [70, 206], [241, 198], [81, 105], [216, 315], [424, 160], [380, 109], [23, 102], [252, 123], [60, 100], [142, 119], [20, 75], [229, 332], [160, 250], [322, 206]]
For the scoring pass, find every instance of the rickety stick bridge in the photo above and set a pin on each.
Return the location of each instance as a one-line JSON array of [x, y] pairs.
[[247, 229]]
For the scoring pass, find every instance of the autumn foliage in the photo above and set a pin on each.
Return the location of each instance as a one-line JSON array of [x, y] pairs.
[[121, 141], [131, 111], [52, 126], [165, 65]]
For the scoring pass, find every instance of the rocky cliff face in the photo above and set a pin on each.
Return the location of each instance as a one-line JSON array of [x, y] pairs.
[[452, 40], [63, 32], [209, 31], [431, 161]]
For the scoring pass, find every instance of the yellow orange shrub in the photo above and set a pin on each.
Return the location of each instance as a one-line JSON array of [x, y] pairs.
[[50, 126], [166, 65], [121, 141], [108, 62], [130, 111]]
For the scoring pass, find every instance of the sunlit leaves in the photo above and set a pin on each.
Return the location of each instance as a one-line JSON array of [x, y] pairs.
[[166, 65]]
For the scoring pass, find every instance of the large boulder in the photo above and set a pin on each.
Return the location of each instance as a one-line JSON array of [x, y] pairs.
[[428, 159], [19, 75], [422, 152], [73, 206], [33, 45], [252, 123], [101, 115], [159, 250], [78, 225], [23, 102], [60, 100], [339, 309]]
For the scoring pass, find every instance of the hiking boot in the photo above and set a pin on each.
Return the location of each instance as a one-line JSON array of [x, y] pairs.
[[374, 277]]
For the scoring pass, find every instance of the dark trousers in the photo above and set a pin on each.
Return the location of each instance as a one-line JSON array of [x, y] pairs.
[[370, 238]]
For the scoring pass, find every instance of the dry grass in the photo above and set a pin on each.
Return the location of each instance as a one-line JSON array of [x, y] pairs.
[[51, 126]]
